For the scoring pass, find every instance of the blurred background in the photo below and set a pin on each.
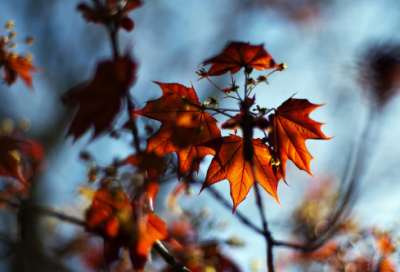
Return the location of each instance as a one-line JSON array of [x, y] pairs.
[[338, 52]]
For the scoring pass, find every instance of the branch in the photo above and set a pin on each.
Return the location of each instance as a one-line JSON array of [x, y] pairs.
[[268, 238], [132, 123], [169, 258], [177, 266], [226, 204]]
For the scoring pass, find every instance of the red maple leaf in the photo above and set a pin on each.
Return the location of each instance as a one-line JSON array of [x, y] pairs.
[[15, 66], [238, 55], [12, 154], [99, 102], [229, 163], [184, 126], [124, 224], [291, 127]]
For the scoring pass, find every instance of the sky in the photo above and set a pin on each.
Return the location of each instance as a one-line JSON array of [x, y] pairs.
[[170, 40]]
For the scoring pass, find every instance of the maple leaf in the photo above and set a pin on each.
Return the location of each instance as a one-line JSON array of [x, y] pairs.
[[12, 152], [99, 102], [123, 224], [151, 163], [238, 55], [15, 66], [291, 127], [229, 163], [184, 126]]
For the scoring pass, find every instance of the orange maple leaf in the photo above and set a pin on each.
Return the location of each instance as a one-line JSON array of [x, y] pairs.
[[152, 164], [12, 151], [238, 55], [229, 163], [124, 224], [18, 66], [99, 102], [291, 127], [184, 126]]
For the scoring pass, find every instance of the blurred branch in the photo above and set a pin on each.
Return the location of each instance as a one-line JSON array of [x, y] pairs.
[[227, 205], [268, 238], [168, 257]]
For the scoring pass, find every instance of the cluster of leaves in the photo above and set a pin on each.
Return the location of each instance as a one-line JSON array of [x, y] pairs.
[[196, 252], [21, 159], [350, 249], [192, 133], [12, 63]]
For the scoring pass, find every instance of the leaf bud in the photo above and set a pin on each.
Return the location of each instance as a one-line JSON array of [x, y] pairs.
[[7, 125], [213, 102], [111, 171], [93, 172], [13, 45], [4, 40], [261, 111], [202, 72], [24, 124], [250, 82], [29, 56], [275, 161], [10, 24], [235, 241], [30, 40], [14, 55], [262, 78], [282, 67], [248, 70], [12, 35]]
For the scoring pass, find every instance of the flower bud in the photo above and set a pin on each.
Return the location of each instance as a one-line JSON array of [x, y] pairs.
[[30, 40], [10, 24]]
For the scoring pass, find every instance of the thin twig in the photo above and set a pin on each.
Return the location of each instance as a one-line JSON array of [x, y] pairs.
[[213, 84]]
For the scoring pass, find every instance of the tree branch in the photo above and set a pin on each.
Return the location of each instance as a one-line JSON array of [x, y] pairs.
[[226, 204], [268, 238], [169, 258], [177, 266]]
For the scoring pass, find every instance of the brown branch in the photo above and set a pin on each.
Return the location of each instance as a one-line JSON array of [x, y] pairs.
[[169, 258], [226, 204], [268, 237], [132, 123]]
